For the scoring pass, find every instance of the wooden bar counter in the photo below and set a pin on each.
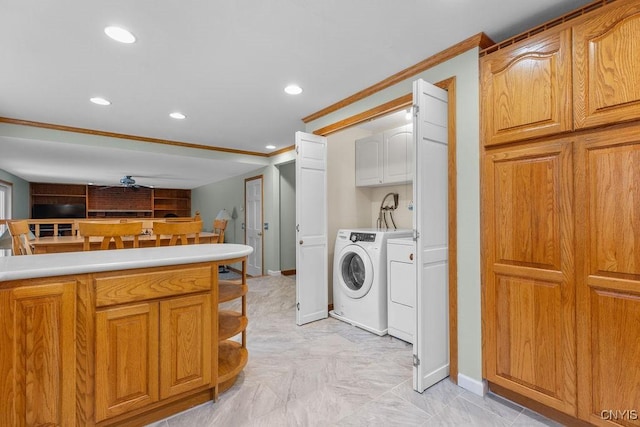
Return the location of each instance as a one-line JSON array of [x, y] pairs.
[[120, 337]]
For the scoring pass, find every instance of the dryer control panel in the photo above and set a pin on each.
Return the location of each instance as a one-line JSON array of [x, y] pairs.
[[362, 237]]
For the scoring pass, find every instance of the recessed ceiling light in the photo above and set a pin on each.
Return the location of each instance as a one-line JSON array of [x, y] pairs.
[[270, 147], [293, 90], [120, 34], [100, 101], [177, 115]]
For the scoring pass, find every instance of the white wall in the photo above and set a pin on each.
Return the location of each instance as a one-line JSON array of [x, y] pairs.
[[465, 68], [229, 194], [287, 216], [19, 195]]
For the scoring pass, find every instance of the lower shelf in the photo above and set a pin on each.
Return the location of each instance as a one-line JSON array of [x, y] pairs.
[[232, 358]]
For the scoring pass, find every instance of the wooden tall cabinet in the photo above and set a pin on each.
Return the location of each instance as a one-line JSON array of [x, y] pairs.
[[608, 218], [561, 216]]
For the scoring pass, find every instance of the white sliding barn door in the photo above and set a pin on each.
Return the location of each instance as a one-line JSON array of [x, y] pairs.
[[430, 195], [312, 284]]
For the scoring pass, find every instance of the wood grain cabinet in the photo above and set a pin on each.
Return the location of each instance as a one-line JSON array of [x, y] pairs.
[[606, 84], [153, 337], [526, 89], [608, 266], [37, 342], [529, 294], [561, 217]]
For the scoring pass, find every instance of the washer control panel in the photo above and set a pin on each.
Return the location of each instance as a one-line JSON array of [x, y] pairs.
[[362, 237]]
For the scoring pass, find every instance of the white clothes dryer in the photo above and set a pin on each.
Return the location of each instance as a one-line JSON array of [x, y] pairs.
[[360, 277]]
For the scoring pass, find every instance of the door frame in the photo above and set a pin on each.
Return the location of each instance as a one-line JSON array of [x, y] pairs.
[[253, 178], [402, 103]]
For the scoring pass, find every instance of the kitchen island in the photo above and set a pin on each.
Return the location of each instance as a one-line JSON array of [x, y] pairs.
[[117, 337]]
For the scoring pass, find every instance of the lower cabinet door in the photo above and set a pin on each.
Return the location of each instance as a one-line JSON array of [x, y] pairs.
[[529, 289], [126, 359], [185, 344]]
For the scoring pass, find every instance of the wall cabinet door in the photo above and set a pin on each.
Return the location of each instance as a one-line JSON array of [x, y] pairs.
[[185, 344], [397, 155], [369, 161], [526, 90], [126, 359], [38, 359], [608, 269], [606, 69], [529, 293]]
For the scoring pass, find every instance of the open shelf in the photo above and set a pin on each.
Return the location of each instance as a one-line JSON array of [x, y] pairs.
[[230, 323], [230, 291], [232, 358]]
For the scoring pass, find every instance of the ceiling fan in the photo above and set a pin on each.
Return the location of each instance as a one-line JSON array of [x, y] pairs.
[[128, 182]]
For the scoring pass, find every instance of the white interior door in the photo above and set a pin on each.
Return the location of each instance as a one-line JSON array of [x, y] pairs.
[[430, 195], [253, 224], [312, 285]]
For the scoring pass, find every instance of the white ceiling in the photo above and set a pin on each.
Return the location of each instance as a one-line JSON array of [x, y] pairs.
[[222, 63]]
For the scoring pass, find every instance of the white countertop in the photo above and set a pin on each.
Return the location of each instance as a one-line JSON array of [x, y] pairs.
[[58, 264]]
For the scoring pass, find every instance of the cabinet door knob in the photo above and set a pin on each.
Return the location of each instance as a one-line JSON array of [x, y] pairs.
[[411, 257], [301, 241]]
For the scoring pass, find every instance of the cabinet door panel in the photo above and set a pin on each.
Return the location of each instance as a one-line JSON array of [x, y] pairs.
[[126, 359], [185, 344], [529, 296], [527, 89], [369, 161], [606, 66], [398, 155], [608, 264], [40, 388]]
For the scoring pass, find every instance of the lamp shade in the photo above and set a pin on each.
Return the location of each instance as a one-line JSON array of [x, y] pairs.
[[223, 214]]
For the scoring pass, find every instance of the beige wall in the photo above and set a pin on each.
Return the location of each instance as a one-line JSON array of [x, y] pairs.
[[465, 68]]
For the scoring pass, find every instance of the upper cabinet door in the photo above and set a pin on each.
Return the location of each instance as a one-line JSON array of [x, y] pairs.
[[369, 161], [398, 155], [606, 67], [526, 89]]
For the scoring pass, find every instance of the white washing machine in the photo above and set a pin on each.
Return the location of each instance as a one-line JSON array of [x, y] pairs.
[[360, 277]]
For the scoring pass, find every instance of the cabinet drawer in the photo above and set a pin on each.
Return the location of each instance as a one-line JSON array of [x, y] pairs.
[[124, 288]]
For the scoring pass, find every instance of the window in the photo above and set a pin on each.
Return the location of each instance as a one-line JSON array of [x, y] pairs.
[[5, 213]]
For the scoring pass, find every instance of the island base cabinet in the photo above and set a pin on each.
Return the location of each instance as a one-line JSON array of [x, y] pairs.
[[38, 355], [151, 351]]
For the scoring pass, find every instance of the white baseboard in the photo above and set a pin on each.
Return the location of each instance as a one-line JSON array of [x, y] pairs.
[[273, 273], [472, 385]]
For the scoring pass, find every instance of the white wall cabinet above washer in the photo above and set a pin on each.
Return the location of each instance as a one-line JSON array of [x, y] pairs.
[[385, 158]]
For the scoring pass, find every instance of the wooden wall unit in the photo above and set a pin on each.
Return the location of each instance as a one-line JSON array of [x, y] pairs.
[[116, 202], [560, 220], [119, 347]]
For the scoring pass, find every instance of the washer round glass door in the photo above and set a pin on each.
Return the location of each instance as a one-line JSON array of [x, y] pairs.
[[356, 271]]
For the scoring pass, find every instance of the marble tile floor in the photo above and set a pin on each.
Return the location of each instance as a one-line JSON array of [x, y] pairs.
[[331, 373]]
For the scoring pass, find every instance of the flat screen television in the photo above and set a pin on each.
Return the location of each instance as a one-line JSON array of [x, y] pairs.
[[57, 211]]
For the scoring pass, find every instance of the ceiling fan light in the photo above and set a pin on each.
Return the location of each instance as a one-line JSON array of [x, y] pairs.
[[120, 34]]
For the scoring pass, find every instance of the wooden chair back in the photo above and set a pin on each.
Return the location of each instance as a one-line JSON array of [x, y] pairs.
[[219, 225], [178, 231], [109, 232], [19, 231]]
